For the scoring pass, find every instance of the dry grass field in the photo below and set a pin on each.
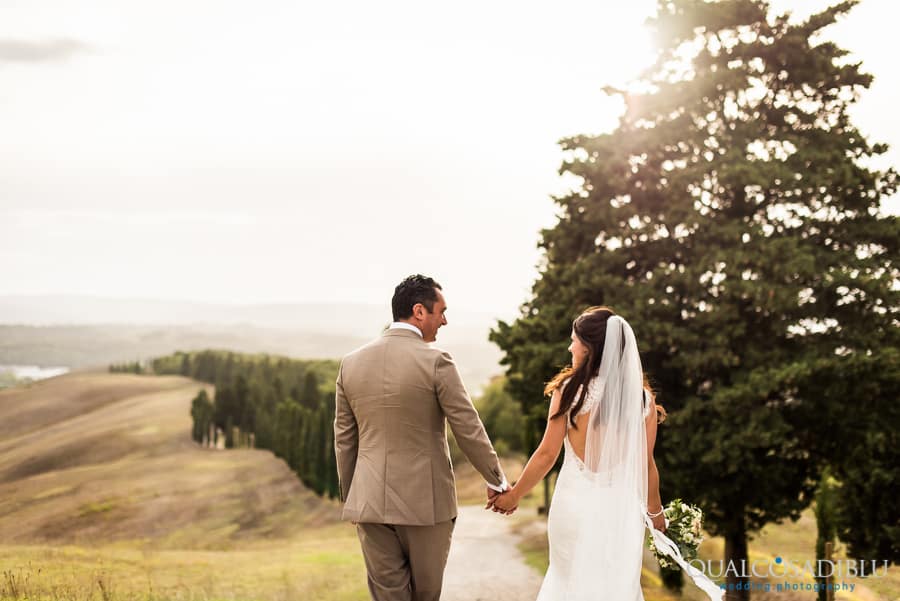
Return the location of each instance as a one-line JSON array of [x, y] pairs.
[[104, 496], [108, 457]]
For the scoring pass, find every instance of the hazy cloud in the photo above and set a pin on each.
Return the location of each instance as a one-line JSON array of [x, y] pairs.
[[21, 51]]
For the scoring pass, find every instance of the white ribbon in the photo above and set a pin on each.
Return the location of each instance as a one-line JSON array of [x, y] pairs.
[[665, 546]]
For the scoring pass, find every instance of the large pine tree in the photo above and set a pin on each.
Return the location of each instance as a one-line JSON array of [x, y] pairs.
[[734, 219]]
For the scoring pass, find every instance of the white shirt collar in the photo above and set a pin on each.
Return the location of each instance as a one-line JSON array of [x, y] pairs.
[[402, 325]]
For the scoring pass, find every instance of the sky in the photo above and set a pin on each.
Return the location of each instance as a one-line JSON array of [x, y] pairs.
[[273, 151]]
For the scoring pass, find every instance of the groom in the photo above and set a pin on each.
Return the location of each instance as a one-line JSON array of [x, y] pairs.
[[394, 397]]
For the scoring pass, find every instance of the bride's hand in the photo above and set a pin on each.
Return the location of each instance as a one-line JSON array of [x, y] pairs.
[[659, 522]]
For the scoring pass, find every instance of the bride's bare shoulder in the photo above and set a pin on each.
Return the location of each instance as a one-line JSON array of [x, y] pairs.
[[555, 400]]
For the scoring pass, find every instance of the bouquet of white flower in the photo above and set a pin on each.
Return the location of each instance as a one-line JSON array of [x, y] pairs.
[[684, 523]]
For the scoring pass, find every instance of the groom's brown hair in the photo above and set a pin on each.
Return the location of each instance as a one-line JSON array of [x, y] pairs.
[[411, 291]]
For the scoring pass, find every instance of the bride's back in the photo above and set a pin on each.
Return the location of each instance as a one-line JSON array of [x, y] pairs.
[[578, 434]]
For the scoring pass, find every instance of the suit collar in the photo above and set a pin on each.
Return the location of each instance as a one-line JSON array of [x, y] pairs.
[[403, 333], [402, 325]]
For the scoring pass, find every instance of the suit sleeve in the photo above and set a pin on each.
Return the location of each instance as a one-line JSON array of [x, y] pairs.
[[346, 438], [465, 422]]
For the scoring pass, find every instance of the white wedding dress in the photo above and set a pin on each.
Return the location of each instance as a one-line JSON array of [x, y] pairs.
[[596, 537], [598, 514]]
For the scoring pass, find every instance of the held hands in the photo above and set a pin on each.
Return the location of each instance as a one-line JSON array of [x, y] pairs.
[[505, 503], [491, 497]]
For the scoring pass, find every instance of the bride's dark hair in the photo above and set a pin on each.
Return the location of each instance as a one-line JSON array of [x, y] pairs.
[[590, 327]]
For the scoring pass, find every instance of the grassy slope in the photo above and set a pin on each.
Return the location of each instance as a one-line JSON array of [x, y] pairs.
[[323, 564], [109, 457], [101, 488]]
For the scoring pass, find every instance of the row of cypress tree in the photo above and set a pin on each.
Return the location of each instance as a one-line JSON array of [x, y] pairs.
[[286, 404]]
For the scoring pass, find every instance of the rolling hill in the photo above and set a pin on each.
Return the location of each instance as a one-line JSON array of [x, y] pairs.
[[91, 457]]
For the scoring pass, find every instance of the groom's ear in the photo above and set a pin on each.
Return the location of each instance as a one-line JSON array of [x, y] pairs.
[[419, 311]]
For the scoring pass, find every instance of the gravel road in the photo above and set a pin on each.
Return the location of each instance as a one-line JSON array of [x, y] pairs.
[[484, 563]]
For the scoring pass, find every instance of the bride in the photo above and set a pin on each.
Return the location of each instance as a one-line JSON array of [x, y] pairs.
[[608, 487]]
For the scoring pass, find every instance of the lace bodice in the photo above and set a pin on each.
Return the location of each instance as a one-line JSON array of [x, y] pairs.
[[589, 400]]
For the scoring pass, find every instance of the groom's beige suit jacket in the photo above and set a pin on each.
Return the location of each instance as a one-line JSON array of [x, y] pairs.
[[394, 399]]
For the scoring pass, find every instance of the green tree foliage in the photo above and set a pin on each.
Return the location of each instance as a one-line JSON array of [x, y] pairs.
[[733, 220], [859, 438], [133, 367], [825, 522], [502, 417], [250, 396], [309, 396], [202, 413]]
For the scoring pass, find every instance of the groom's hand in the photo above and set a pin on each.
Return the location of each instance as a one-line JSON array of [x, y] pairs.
[[491, 495]]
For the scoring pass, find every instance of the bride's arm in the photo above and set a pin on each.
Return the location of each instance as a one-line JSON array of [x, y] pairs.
[[543, 458], [654, 501]]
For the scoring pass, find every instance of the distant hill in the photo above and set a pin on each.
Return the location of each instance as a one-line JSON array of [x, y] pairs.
[[94, 457], [78, 346], [350, 319], [77, 331]]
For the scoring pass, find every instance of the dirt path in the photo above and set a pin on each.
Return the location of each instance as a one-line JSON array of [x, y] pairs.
[[485, 563]]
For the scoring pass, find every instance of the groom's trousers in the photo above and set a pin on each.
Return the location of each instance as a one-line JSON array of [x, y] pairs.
[[405, 563]]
